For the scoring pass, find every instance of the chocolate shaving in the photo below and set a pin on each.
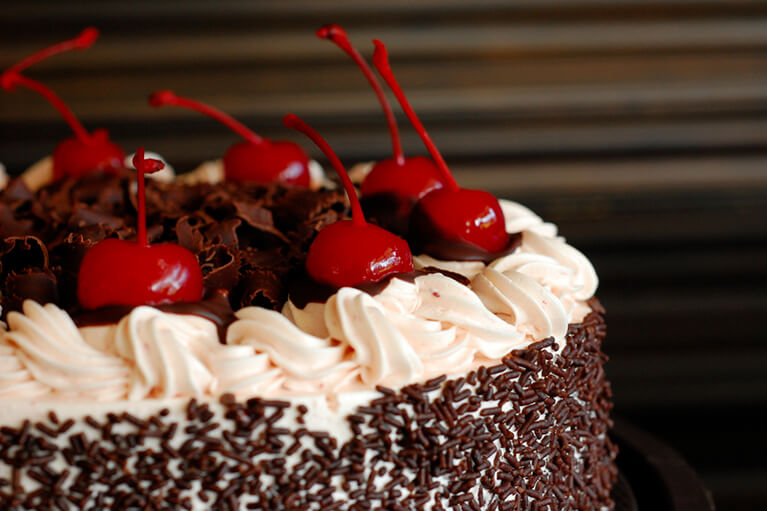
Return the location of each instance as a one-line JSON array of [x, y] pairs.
[[40, 286], [233, 229], [22, 253]]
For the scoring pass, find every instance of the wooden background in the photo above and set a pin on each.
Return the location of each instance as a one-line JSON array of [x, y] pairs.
[[639, 126]]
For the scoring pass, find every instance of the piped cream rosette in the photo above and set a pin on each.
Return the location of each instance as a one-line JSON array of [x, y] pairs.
[[409, 332]]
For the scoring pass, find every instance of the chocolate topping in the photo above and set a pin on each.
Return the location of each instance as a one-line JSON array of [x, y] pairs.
[[215, 308], [424, 238], [249, 238], [389, 211], [393, 214]]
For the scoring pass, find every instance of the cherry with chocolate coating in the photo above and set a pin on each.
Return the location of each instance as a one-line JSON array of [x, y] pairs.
[[351, 252], [83, 153], [119, 272], [458, 215], [408, 178], [255, 159], [466, 215]]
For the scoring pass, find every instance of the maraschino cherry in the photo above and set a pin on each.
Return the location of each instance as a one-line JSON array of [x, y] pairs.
[[85, 152], [351, 252], [119, 272], [451, 214], [407, 178], [256, 159]]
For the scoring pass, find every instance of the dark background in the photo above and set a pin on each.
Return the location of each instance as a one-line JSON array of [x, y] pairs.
[[640, 127]]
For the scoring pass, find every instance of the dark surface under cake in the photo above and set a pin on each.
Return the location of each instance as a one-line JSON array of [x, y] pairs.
[[531, 433]]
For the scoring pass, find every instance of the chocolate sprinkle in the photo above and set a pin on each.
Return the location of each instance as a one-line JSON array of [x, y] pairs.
[[529, 433]]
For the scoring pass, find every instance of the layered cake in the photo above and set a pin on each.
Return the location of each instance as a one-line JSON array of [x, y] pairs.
[[473, 380]]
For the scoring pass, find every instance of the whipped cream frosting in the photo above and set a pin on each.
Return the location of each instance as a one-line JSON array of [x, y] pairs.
[[407, 333]]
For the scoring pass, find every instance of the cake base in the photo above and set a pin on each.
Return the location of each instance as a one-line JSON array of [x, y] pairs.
[[527, 434]]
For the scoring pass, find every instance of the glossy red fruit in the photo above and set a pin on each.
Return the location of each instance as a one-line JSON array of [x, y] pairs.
[[351, 252], [345, 254], [119, 272], [267, 162], [75, 158], [83, 153], [458, 215], [408, 179], [256, 159], [417, 177], [462, 216]]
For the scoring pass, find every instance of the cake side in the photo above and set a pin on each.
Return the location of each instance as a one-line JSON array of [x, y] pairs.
[[343, 402], [527, 433]]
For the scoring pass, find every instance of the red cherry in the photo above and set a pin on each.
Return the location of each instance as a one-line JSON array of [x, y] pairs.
[[461, 216], [266, 162], [118, 272], [408, 179], [413, 180], [351, 252], [75, 159], [257, 159], [83, 153]]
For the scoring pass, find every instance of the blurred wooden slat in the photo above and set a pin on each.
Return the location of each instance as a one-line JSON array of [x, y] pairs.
[[507, 40]]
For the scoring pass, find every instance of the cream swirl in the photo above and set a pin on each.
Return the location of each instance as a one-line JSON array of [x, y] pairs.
[[148, 354], [175, 355], [410, 331], [44, 352]]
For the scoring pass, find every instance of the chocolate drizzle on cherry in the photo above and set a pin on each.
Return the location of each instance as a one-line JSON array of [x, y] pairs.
[[351, 252], [119, 272], [452, 217], [255, 159], [85, 152], [407, 179]]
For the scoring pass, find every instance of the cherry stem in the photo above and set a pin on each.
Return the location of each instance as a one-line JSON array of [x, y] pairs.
[[381, 63], [337, 35], [82, 42], [143, 166], [293, 122], [167, 97], [11, 79]]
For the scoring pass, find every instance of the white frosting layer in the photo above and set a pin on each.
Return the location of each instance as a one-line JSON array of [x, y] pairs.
[[409, 332]]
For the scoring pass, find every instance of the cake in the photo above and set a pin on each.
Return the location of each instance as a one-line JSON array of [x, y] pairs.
[[464, 384]]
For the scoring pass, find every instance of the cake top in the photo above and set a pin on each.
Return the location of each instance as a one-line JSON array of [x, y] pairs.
[[484, 277], [250, 239]]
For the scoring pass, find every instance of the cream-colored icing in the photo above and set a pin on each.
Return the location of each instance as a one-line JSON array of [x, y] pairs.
[[409, 332], [3, 177]]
